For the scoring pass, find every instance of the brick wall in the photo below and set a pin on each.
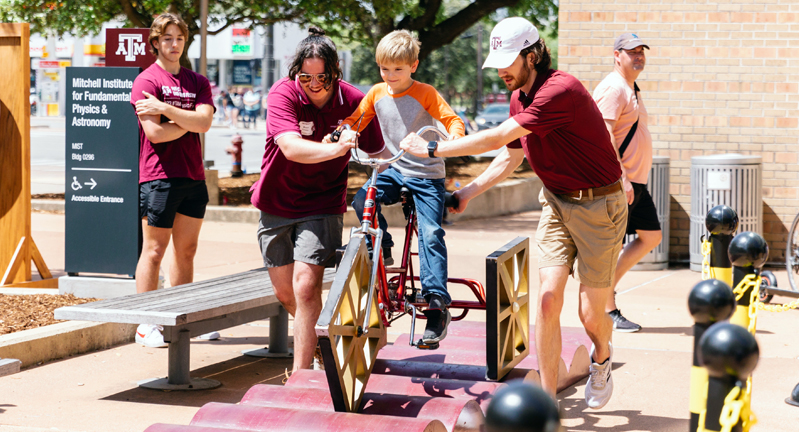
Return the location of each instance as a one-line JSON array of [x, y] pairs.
[[721, 77]]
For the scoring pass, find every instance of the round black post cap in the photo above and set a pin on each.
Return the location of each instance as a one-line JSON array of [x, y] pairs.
[[711, 301], [721, 219], [728, 349], [522, 407], [748, 249]]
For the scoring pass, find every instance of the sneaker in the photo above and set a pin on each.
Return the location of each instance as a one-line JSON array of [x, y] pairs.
[[318, 362], [150, 336], [600, 384], [622, 324], [438, 319], [214, 335]]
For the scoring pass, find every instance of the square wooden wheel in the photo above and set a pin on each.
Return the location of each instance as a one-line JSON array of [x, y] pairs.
[[507, 307], [348, 351]]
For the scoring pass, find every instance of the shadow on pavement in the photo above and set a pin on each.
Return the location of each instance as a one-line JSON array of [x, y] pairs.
[[237, 375], [575, 408]]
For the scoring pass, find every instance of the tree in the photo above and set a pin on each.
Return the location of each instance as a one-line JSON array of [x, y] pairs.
[[451, 69], [436, 22], [82, 18]]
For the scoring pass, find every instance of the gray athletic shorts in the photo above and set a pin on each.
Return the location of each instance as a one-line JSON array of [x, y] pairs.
[[312, 239]]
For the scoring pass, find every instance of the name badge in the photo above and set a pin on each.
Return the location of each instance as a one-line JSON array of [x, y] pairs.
[[307, 128]]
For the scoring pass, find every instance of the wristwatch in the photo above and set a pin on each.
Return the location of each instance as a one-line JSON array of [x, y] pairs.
[[431, 148]]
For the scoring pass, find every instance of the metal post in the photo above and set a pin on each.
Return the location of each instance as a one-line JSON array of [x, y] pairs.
[[279, 333], [478, 100], [721, 221], [710, 301], [203, 54], [748, 252], [179, 355], [729, 353], [278, 338]]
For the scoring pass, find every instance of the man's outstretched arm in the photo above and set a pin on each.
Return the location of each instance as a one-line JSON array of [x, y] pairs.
[[501, 167], [481, 142]]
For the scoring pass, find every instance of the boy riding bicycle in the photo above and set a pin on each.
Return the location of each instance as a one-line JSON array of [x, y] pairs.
[[403, 105]]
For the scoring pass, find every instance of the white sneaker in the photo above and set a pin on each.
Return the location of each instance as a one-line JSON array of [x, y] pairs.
[[600, 383], [214, 335], [150, 336]]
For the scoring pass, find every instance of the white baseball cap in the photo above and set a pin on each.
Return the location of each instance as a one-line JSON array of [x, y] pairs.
[[509, 37]]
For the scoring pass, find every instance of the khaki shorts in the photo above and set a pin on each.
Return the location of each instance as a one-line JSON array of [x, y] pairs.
[[590, 231]]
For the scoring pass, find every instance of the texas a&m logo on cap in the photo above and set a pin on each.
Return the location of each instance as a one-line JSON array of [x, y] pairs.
[[128, 47], [496, 42]]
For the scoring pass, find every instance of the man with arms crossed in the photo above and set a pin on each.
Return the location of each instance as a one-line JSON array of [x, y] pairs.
[[622, 107], [557, 126], [174, 106]]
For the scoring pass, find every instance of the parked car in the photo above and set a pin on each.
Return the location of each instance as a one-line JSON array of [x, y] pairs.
[[492, 115]]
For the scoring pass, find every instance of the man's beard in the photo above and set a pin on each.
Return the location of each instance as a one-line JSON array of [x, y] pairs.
[[521, 80]]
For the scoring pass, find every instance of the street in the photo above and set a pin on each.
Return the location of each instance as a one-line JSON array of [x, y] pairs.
[[48, 152]]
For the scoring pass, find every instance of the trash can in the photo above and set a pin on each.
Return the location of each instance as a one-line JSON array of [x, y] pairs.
[[731, 179], [658, 187]]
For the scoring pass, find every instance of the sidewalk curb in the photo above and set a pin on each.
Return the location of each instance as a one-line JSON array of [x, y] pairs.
[[63, 339], [513, 196]]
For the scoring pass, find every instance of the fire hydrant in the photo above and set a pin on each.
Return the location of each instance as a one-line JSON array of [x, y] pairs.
[[235, 150]]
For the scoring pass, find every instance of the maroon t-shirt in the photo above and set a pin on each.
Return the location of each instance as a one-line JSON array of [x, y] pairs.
[[183, 156], [294, 190], [569, 146]]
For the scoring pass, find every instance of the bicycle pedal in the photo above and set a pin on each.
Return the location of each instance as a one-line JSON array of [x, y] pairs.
[[423, 346]]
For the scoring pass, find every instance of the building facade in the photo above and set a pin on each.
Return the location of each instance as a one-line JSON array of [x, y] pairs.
[[721, 77]]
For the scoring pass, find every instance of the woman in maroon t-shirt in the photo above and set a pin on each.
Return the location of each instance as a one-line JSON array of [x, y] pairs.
[[302, 189]]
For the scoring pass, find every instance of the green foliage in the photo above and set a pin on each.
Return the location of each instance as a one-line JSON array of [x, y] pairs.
[[451, 69]]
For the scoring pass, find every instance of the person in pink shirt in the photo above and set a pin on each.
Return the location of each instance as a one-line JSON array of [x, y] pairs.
[[303, 184], [623, 110], [174, 105]]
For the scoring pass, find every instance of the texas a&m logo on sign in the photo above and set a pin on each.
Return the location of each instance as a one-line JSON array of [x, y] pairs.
[[128, 47]]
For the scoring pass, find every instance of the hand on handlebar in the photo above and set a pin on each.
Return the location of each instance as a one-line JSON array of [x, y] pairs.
[[462, 203], [341, 146], [349, 135], [415, 145]]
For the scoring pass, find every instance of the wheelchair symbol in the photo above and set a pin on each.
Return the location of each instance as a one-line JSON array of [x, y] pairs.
[[76, 184]]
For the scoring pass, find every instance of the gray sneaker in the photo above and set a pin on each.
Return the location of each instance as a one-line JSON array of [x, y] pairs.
[[600, 383], [622, 324]]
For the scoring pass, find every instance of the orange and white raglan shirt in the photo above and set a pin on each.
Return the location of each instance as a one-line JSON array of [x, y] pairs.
[[401, 114]]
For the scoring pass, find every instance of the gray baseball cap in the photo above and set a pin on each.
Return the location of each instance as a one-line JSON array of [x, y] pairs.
[[628, 41]]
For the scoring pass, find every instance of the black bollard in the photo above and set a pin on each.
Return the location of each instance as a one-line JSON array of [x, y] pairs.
[[710, 301], [721, 221], [729, 353], [794, 398], [522, 407], [748, 252]]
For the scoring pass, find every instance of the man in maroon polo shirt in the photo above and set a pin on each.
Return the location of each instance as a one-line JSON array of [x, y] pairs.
[[303, 184], [174, 105], [558, 127]]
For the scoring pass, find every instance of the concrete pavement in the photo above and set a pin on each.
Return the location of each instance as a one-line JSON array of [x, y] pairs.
[[98, 392]]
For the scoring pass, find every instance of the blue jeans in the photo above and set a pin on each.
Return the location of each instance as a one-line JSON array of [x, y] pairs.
[[428, 195]]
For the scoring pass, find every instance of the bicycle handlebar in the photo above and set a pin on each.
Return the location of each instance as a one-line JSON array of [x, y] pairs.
[[376, 162]]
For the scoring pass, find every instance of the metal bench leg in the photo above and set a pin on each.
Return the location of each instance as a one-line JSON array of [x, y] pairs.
[[179, 377], [278, 338]]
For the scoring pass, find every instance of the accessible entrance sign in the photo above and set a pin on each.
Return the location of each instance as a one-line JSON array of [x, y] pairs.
[[102, 172]]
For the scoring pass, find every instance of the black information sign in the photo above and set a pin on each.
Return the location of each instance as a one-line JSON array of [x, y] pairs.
[[102, 171]]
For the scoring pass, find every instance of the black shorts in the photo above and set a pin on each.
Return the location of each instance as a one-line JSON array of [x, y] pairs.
[[642, 214], [160, 200]]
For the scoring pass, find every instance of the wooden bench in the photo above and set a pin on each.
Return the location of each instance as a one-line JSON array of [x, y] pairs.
[[194, 309]]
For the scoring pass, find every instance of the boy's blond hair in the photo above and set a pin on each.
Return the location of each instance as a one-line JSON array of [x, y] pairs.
[[398, 46]]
